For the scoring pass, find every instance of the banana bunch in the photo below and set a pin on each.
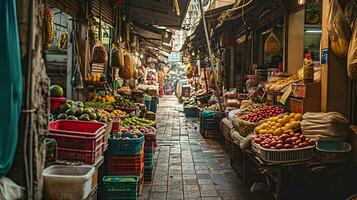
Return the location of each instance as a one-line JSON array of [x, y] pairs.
[[49, 33], [62, 41], [282, 83]]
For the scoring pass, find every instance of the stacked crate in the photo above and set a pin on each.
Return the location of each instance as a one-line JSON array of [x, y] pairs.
[[149, 151], [125, 168]]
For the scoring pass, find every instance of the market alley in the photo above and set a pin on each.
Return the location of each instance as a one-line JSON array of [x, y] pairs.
[[187, 166]]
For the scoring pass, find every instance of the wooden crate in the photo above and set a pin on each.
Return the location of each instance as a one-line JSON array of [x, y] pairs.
[[207, 133], [303, 105], [306, 90], [271, 97]]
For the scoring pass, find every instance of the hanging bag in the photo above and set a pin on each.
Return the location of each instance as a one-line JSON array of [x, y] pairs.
[[351, 13], [338, 30], [127, 71], [352, 55], [117, 57], [272, 45], [99, 55]]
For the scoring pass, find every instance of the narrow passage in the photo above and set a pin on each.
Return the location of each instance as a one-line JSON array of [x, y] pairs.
[[188, 166]]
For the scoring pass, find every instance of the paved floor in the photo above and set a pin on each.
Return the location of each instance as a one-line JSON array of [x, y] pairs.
[[187, 166]]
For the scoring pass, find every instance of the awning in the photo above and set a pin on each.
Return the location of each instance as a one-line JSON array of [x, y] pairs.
[[161, 13]]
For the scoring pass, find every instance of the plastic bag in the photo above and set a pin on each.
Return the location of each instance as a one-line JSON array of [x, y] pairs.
[[99, 54], [127, 71], [272, 45], [117, 57], [352, 55], [351, 13], [338, 30], [10, 190]]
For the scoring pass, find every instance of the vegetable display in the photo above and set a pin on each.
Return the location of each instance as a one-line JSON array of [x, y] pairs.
[[288, 140]]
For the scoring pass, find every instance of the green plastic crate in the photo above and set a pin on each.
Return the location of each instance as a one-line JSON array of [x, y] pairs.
[[191, 112], [120, 187]]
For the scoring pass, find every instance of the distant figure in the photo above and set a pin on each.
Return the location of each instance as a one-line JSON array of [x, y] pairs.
[[161, 81]]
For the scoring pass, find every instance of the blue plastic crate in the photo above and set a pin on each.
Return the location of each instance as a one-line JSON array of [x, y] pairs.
[[126, 147]]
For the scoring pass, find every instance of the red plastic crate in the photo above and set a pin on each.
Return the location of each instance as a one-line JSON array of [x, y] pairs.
[[56, 102], [79, 135], [78, 142], [75, 127], [126, 165], [87, 157]]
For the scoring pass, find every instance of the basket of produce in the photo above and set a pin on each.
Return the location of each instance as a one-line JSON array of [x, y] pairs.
[[332, 151], [150, 115], [126, 144], [288, 147], [73, 182], [120, 187], [246, 123], [136, 121]]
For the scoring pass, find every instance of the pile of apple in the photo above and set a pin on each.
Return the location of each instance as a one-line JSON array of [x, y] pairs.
[[288, 140], [263, 113], [138, 129]]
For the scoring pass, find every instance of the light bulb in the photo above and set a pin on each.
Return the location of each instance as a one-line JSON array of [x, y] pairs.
[[301, 2]]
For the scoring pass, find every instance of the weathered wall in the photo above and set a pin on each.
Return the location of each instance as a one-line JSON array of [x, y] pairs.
[[39, 94]]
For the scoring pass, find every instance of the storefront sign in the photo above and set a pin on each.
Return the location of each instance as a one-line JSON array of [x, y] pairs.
[[175, 57], [324, 53]]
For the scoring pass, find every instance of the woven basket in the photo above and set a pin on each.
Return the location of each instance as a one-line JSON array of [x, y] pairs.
[[243, 127]]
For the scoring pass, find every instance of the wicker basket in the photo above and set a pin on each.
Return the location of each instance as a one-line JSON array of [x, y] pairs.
[[284, 155], [244, 127]]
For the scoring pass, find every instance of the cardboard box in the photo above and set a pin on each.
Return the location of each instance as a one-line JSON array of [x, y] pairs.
[[303, 105], [306, 90]]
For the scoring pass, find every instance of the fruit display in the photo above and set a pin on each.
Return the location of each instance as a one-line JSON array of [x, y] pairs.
[[136, 121], [214, 107], [262, 113], [96, 78], [94, 97], [278, 84], [123, 103], [278, 125], [106, 116], [124, 90], [56, 91], [71, 110], [138, 129], [125, 137], [288, 140], [103, 105], [76, 111]]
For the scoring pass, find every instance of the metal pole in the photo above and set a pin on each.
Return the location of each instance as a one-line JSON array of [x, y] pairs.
[[210, 53]]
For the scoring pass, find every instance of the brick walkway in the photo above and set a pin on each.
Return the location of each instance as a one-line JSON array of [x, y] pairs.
[[187, 166]]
